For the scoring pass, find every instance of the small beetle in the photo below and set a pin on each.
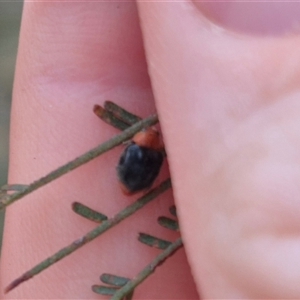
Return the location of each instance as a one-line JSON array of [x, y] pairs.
[[140, 162]]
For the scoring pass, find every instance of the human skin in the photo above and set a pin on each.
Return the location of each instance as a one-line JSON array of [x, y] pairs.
[[229, 114]]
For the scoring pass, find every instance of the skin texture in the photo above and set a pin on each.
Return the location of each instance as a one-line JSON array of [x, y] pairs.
[[229, 113]]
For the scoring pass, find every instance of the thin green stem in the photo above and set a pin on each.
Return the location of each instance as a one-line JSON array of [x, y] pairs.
[[104, 290], [121, 113], [86, 157], [125, 213], [147, 271], [109, 118], [168, 223], [153, 241], [88, 213], [13, 187], [113, 279]]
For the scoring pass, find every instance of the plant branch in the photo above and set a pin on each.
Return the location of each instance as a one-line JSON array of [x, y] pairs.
[[86, 157], [148, 270], [128, 211]]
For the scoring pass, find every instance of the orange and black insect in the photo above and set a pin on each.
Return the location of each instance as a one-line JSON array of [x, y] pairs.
[[140, 162]]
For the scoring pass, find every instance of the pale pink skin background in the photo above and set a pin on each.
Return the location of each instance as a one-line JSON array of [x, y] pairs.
[[229, 111]]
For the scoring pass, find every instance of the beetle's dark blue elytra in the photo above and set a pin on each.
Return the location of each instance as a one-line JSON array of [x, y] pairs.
[[140, 162]]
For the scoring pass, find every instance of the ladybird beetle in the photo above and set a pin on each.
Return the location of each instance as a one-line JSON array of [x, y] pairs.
[[140, 162]]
